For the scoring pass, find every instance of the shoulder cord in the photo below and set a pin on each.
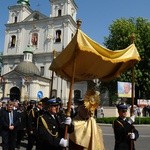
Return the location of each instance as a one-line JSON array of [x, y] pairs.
[[119, 123], [31, 111], [46, 127]]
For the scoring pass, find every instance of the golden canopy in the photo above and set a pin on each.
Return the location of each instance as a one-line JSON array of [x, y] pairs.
[[91, 60]]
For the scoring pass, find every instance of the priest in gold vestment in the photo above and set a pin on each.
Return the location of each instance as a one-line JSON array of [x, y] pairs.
[[87, 134]]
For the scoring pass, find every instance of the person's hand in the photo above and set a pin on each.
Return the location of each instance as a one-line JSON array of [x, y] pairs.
[[63, 142], [131, 119], [11, 127], [68, 121], [132, 136]]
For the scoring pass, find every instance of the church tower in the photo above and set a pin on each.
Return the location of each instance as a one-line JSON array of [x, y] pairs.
[[63, 7], [44, 34]]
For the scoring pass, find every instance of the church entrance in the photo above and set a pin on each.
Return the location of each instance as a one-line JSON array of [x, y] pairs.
[[15, 93]]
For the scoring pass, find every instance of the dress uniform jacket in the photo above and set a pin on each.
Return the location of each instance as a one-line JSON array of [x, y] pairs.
[[33, 115], [50, 130], [121, 131]]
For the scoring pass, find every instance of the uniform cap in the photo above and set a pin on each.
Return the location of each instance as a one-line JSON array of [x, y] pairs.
[[122, 106], [44, 100], [32, 102], [52, 102]]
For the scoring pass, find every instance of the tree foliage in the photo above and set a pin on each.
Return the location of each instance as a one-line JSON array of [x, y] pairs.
[[120, 37]]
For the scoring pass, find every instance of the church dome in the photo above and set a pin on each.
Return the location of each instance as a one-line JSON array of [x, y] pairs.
[[28, 68], [24, 2]]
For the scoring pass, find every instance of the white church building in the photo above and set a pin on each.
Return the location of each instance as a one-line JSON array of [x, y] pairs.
[[31, 38]]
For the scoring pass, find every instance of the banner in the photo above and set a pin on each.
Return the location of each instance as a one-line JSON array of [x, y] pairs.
[[124, 89]]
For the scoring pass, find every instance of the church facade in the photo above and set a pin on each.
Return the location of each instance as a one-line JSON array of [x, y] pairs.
[[32, 41]]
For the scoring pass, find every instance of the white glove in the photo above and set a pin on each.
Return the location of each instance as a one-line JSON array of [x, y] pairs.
[[63, 142], [131, 119], [132, 136], [72, 106], [68, 121]]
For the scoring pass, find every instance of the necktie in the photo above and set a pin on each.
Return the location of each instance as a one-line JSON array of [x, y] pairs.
[[11, 118]]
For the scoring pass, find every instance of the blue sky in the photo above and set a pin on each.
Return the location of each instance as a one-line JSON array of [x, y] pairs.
[[96, 15]]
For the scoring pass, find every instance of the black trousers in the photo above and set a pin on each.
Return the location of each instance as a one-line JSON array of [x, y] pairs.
[[31, 141], [9, 139]]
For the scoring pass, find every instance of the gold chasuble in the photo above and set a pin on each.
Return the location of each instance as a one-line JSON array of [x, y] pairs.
[[87, 134]]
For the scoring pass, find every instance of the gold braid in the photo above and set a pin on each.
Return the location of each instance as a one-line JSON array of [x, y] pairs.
[[46, 127]]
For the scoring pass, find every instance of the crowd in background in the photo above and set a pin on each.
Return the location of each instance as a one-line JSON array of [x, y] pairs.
[[31, 120], [43, 124]]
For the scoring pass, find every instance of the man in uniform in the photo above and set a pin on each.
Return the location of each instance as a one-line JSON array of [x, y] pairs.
[[124, 131], [32, 124], [50, 128]]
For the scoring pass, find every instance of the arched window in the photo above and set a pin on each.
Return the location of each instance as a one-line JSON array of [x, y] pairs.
[[58, 36], [15, 21], [13, 41], [15, 93], [34, 39], [59, 12]]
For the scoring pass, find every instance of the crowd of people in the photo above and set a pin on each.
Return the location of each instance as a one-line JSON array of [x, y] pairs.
[[44, 124]]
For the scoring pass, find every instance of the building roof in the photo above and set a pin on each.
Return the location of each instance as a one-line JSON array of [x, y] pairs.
[[28, 68]]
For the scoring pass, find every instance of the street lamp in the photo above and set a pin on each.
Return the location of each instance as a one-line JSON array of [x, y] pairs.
[[27, 83], [52, 77]]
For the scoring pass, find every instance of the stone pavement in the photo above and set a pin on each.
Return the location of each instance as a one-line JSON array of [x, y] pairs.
[[23, 144]]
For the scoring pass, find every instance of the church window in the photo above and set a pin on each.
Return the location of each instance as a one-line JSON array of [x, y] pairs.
[[13, 41], [15, 21], [34, 39], [42, 70], [58, 36], [59, 12]]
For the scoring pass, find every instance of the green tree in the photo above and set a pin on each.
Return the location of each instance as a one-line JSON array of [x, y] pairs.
[[119, 37]]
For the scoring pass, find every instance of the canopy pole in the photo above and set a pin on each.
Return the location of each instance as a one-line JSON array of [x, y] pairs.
[[70, 97], [133, 79], [133, 86], [71, 84]]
